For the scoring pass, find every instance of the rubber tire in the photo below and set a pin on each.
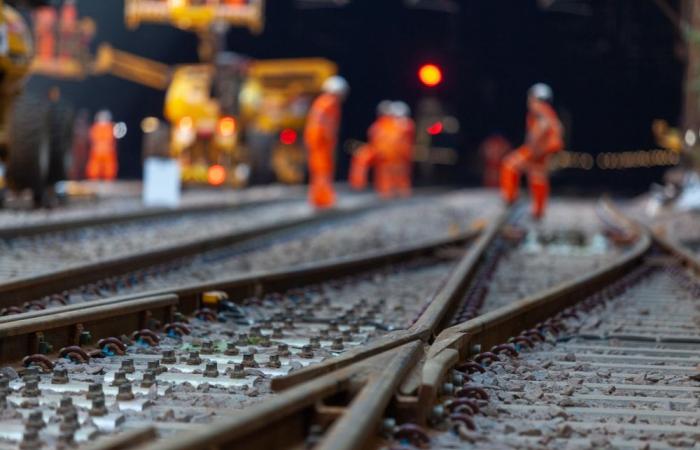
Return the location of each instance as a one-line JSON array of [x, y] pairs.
[[61, 123], [29, 157]]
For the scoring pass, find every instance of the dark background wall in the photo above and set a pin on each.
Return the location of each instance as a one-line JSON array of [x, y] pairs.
[[611, 63]]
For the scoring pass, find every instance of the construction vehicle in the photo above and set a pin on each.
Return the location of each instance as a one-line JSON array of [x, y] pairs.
[[228, 114], [35, 131]]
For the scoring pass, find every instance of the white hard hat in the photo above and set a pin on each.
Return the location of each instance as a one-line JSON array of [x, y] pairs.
[[384, 108], [400, 109], [541, 91], [103, 115], [336, 85]]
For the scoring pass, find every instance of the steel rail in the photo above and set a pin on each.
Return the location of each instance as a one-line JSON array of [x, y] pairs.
[[352, 425], [24, 334], [425, 327], [63, 225], [18, 291]]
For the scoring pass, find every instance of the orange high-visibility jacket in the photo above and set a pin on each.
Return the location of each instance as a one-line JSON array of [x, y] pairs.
[[544, 129], [321, 133], [103, 143]]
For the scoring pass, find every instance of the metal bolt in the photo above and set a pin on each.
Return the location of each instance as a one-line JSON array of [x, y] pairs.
[[231, 349], [125, 392], [447, 388], [31, 388], [193, 359], [324, 334], [249, 360], [168, 357], [35, 420], [238, 371], [70, 421], [274, 362], [66, 439], [265, 341], [156, 367], [277, 333], [289, 323], [333, 326], [307, 352], [283, 350], [211, 370], [128, 366], [94, 391], [255, 331], [207, 348], [437, 414], [60, 376], [149, 378], [337, 344], [65, 405], [315, 342], [30, 373], [99, 408], [119, 378], [242, 339], [85, 338], [30, 440]]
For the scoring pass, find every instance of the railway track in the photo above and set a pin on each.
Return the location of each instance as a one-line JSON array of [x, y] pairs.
[[340, 385], [312, 237], [110, 211], [224, 359], [341, 403], [57, 267]]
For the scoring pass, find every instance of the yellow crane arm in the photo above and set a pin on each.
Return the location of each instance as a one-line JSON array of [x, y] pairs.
[[132, 67]]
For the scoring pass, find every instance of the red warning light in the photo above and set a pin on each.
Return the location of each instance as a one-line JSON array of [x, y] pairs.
[[288, 136], [435, 129], [216, 175], [430, 75]]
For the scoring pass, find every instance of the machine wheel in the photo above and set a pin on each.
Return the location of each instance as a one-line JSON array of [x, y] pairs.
[[29, 137], [61, 121]]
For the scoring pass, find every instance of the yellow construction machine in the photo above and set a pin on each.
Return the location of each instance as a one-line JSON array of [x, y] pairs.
[[35, 131], [230, 119]]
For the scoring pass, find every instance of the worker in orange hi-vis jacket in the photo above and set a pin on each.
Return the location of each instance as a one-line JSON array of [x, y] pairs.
[[102, 163], [45, 31], [544, 137], [321, 138], [389, 151]]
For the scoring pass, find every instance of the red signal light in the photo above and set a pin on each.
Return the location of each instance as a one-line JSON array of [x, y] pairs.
[[216, 175], [288, 136], [227, 126], [435, 129], [430, 75]]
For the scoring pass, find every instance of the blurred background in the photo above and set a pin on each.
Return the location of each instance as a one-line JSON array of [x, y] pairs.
[[615, 67]]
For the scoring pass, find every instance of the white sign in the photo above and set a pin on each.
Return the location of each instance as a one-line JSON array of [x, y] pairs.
[[161, 183]]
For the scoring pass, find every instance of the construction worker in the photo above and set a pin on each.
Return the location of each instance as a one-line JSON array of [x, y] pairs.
[[45, 32], [389, 151], [544, 137], [492, 151], [102, 163], [321, 136]]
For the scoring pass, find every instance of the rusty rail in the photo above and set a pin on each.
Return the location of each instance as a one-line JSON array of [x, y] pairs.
[[16, 292], [150, 213], [22, 334], [426, 326], [400, 356]]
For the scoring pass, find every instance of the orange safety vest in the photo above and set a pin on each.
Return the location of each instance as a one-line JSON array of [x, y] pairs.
[[321, 133], [544, 129], [103, 143]]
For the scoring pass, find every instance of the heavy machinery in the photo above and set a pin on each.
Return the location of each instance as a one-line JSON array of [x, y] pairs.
[[230, 119], [35, 131]]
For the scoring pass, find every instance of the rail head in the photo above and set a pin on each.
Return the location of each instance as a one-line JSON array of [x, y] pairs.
[[497, 326]]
